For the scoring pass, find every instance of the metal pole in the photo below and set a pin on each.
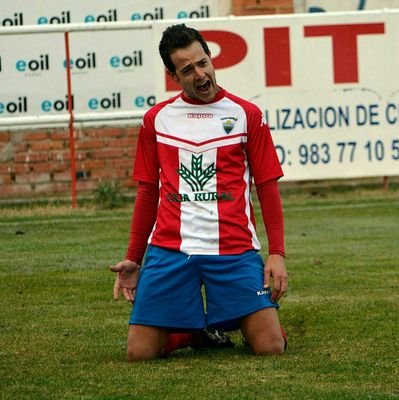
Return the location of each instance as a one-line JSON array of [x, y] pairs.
[[71, 128]]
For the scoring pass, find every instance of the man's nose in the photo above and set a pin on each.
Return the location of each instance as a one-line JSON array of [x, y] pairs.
[[199, 73]]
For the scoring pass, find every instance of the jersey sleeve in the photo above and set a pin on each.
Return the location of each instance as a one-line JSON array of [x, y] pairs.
[[146, 166], [263, 161]]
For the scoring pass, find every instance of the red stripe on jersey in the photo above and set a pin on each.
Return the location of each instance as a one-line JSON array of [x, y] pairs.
[[234, 235], [199, 144], [169, 212]]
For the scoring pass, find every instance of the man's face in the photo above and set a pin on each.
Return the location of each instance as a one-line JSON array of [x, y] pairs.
[[194, 72]]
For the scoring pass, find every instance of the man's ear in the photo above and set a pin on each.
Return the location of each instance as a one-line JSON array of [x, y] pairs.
[[172, 75]]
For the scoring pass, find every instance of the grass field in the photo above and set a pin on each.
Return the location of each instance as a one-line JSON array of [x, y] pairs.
[[62, 336]]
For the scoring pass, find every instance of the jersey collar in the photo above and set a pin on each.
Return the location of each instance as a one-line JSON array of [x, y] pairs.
[[219, 95]]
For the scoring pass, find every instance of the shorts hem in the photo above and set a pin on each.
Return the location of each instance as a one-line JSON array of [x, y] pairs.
[[167, 325], [231, 324]]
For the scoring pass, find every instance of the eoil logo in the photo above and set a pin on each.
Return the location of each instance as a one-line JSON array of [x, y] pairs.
[[105, 103], [83, 63], [144, 101], [14, 106], [157, 14], [16, 20], [38, 64], [63, 18], [57, 104], [134, 59], [109, 16], [203, 12]]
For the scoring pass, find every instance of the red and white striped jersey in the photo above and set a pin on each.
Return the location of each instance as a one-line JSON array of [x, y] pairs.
[[204, 157]]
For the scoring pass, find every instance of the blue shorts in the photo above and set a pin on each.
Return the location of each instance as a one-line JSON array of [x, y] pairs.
[[178, 291]]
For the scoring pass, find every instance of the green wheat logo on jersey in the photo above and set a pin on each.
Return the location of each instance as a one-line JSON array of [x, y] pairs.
[[197, 177]]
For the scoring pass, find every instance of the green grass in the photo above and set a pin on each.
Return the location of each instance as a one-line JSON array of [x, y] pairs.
[[62, 336]]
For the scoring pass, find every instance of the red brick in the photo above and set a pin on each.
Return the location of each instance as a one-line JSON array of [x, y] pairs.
[[111, 132], [123, 142], [21, 147], [103, 174], [31, 136], [31, 157], [90, 144], [41, 167], [107, 153], [41, 146], [121, 164], [32, 178], [60, 156], [54, 187], [62, 176], [5, 179], [86, 185], [5, 137], [62, 136], [15, 190], [50, 167], [5, 169], [260, 7], [88, 165], [21, 169], [81, 155]]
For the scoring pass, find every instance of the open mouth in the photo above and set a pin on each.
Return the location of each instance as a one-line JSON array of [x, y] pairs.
[[204, 87]]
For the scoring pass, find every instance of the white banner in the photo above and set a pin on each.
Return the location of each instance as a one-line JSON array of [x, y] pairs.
[[36, 12], [111, 70], [327, 83]]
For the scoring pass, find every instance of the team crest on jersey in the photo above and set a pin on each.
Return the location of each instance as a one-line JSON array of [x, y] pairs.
[[228, 123]]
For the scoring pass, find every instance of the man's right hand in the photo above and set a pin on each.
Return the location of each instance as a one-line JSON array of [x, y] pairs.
[[126, 280]]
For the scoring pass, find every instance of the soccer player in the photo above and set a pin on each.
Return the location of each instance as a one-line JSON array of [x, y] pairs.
[[198, 154]]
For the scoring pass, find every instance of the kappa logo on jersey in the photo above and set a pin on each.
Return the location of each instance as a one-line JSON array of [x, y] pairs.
[[228, 123], [197, 177]]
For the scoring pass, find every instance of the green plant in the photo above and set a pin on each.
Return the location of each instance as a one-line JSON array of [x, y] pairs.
[[108, 195]]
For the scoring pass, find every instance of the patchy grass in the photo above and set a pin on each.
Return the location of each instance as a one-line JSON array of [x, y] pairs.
[[63, 337]]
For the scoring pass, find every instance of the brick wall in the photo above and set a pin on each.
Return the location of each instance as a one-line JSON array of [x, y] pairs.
[[37, 163], [259, 7]]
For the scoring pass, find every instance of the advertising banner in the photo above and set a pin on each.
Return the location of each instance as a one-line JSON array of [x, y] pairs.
[[36, 12], [328, 85], [112, 71]]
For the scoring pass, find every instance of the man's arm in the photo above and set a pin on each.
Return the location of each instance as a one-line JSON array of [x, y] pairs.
[[272, 212], [143, 219]]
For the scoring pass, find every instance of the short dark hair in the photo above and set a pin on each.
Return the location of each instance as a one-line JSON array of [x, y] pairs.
[[178, 37]]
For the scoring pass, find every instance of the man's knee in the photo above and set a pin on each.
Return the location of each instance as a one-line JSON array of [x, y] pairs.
[[262, 332], [267, 346], [141, 353], [145, 343]]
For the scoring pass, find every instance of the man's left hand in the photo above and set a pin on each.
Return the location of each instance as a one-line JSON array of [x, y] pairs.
[[275, 269]]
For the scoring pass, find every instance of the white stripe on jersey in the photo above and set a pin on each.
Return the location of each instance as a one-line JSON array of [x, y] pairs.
[[203, 146], [251, 227], [199, 219]]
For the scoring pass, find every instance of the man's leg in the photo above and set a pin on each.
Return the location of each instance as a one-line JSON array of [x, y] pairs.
[[145, 342], [262, 332]]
